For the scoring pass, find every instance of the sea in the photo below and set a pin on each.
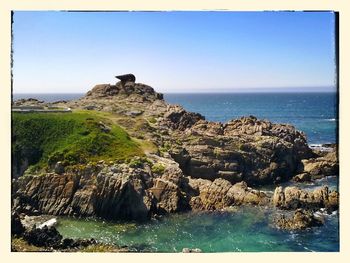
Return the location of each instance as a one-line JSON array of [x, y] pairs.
[[244, 229]]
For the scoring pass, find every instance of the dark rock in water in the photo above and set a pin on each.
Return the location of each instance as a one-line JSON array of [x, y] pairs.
[[292, 198], [43, 237], [303, 177], [301, 219], [16, 225], [127, 77]]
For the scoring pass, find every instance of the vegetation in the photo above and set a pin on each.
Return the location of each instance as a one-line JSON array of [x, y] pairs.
[[73, 138], [158, 168]]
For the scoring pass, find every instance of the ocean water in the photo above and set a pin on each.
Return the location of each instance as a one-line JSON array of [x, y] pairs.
[[313, 113]]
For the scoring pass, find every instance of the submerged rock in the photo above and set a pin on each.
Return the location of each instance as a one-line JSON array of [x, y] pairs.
[[301, 219]]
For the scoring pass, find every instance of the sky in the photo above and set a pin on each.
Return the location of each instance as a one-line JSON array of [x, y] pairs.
[[174, 52]]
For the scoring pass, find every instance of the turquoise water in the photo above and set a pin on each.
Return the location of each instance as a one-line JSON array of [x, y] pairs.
[[244, 230]]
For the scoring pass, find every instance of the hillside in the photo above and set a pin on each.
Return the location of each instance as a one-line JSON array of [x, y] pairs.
[[40, 140]]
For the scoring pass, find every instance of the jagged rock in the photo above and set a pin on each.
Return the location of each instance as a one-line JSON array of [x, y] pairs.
[[256, 151], [88, 192], [320, 167], [168, 195], [43, 237], [16, 225], [293, 198], [177, 118], [127, 77], [303, 177], [207, 195], [301, 219]]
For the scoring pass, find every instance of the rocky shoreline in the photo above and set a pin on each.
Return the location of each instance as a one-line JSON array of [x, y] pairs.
[[195, 165]]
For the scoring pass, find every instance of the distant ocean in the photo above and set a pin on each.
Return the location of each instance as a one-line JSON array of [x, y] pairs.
[[313, 113]]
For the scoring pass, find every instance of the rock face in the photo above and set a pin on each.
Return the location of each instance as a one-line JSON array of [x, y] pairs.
[[126, 89], [16, 224], [88, 192], [248, 149], [220, 194], [122, 191], [301, 219], [177, 118], [322, 166], [293, 198], [43, 237]]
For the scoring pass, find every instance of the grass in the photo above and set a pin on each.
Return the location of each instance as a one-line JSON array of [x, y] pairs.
[[74, 138]]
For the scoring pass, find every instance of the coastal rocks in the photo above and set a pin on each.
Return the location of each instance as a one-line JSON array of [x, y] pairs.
[[17, 227], [303, 177], [177, 118], [322, 166], [300, 219], [220, 194], [255, 151], [89, 192], [124, 89], [293, 198], [43, 237]]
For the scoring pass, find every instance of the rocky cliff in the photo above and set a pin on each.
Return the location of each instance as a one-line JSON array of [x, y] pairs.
[[196, 164]]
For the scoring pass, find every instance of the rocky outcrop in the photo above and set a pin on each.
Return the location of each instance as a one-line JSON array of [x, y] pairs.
[[91, 192], [220, 194], [300, 219], [255, 151], [128, 191], [177, 118], [294, 198], [126, 89], [17, 227], [322, 166]]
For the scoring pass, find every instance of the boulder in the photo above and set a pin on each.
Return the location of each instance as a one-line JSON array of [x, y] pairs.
[[220, 194], [303, 177], [43, 237], [301, 219], [292, 198], [320, 167]]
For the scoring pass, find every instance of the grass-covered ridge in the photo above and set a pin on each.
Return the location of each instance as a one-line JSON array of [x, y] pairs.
[[45, 138]]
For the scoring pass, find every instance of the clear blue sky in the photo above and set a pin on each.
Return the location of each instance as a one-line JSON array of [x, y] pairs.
[[174, 51]]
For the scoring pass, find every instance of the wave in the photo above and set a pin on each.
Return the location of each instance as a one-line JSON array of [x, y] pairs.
[[330, 119]]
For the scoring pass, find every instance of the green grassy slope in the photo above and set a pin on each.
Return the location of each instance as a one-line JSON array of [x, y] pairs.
[[74, 138]]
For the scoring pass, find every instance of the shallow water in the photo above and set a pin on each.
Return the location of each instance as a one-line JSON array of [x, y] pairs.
[[247, 229]]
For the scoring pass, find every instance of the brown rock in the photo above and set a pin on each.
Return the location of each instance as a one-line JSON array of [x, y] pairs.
[[301, 219]]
